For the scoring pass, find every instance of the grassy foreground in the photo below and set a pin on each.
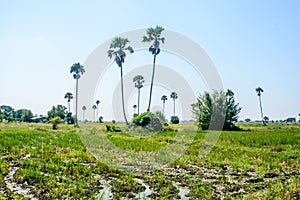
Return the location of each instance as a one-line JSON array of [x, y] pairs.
[[260, 162]]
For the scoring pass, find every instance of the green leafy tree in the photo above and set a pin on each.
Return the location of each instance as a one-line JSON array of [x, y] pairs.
[[259, 91], [57, 111], [23, 115], [164, 98], [83, 112], [97, 104], [94, 107], [266, 119], [174, 96], [1, 116], [117, 50], [8, 113], [76, 69], [219, 106], [69, 96], [174, 120], [154, 37], [138, 83]]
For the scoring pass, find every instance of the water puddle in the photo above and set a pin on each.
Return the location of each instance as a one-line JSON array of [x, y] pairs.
[[105, 193], [183, 191], [146, 193], [15, 187]]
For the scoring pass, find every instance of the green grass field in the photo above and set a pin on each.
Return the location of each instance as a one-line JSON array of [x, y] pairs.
[[260, 162]]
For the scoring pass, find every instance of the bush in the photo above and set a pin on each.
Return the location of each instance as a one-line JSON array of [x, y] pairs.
[[148, 120], [112, 128], [174, 120], [55, 121]]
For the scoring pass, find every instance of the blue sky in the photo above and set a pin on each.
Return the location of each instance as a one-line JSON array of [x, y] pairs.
[[252, 43]]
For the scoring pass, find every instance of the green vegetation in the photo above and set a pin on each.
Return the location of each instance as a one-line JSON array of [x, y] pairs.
[[216, 111], [260, 162]]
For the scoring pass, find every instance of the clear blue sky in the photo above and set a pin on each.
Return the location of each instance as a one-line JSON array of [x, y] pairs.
[[252, 43]]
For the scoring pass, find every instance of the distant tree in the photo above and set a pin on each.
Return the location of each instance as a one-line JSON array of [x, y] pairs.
[[138, 83], [266, 119], [134, 107], [8, 113], [68, 96], [153, 36], [163, 98], [77, 69], [97, 103], [259, 91], [117, 49], [83, 112], [174, 96], [23, 115], [1, 116], [94, 107], [55, 121], [57, 111], [174, 120], [100, 119], [247, 120], [221, 106]]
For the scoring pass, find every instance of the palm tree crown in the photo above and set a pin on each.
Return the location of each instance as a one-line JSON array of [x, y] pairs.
[[259, 90], [153, 35], [118, 50], [69, 96], [77, 69], [164, 98], [138, 81]]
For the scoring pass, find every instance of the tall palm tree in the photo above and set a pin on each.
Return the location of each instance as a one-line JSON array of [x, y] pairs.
[[69, 96], [259, 90], [134, 107], [117, 49], [164, 98], [174, 96], [94, 109], [77, 69], [83, 112], [97, 103], [138, 83], [154, 36]]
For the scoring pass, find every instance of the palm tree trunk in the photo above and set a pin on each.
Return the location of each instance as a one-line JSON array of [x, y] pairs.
[[69, 106], [261, 111], [123, 95], [174, 106], [76, 107], [164, 108], [139, 101], [97, 114], [152, 79], [83, 115]]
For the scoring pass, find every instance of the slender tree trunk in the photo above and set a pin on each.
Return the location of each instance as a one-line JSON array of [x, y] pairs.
[[122, 92], [76, 107], [97, 114], [83, 115], [94, 115], [152, 79], [174, 106], [139, 101], [163, 107], [69, 106], [261, 110]]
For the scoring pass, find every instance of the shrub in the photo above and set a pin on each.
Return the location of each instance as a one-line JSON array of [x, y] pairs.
[[112, 128], [55, 121], [174, 120], [148, 120]]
